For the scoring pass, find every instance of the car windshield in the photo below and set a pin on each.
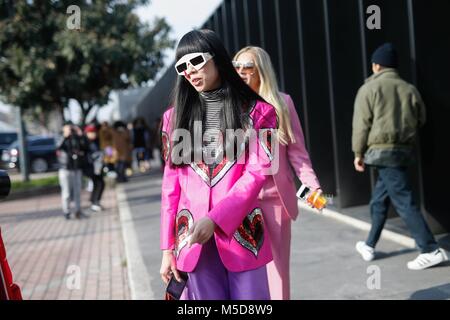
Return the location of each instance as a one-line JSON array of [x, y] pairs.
[[7, 138], [42, 142], [14, 145], [35, 143]]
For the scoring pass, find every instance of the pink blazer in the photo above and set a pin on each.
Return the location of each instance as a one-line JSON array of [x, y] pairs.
[[228, 196], [293, 156]]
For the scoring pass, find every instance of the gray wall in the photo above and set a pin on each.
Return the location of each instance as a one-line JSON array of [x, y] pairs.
[[153, 105]]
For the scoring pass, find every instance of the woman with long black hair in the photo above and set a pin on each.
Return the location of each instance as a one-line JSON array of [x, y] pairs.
[[212, 227]]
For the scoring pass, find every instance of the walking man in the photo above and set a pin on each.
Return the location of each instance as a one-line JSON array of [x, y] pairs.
[[71, 156], [387, 114]]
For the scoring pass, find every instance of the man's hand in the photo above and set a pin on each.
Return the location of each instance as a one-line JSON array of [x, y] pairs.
[[359, 164], [201, 231], [169, 267]]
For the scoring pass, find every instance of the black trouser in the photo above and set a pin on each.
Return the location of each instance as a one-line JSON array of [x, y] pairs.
[[121, 167], [99, 186], [393, 185]]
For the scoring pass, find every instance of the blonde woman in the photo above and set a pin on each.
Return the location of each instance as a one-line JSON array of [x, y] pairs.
[[277, 197]]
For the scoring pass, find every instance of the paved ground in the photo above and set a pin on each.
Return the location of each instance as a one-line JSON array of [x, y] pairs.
[[52, 258], [324, 263], [46, 252], [326, 266], [143, 195]]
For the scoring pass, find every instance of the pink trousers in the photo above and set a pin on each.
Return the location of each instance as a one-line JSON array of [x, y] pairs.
[[278, 225]]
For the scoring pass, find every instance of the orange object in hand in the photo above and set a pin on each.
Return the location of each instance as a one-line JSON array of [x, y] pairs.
[[319, 202], [314, 198]]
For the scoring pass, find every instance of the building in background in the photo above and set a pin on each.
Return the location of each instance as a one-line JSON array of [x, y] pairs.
[[6, 118], [122, 105], [6, 127], [155, 101], [128, 102]]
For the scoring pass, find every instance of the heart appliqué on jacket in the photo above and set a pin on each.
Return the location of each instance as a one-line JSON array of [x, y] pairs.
[[184, 222], [165, 143], [214, 174], [250, 233]]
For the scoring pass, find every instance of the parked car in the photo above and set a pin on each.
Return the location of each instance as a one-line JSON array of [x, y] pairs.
[[41, 151], [6, 138]]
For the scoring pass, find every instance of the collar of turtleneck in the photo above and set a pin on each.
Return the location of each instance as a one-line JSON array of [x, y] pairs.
[[213, 95]]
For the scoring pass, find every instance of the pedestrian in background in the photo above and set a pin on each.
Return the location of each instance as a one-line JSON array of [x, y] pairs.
[[278, 196], [122, 149], [94, 168], [156, 138], [388, 112], [71, 154], [106, 135], [142, 144]]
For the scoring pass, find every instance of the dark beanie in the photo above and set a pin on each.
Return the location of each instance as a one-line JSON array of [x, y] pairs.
[[385, 56]]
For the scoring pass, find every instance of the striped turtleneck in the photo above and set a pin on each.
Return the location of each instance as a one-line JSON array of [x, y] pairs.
[[213, 102]]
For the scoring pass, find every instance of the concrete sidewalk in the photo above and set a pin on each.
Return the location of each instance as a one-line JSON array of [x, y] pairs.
[[54, 258], [115, 254], [324, 263], [140, 213]]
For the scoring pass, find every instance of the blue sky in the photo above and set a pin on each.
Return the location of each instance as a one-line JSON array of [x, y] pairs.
[[182, 15]]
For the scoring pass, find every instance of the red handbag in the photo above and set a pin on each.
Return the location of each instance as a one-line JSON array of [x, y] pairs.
[[8, 289]]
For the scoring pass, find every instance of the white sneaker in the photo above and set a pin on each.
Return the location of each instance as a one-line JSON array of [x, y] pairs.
[[426, 260], [96, 208], [367, 253]]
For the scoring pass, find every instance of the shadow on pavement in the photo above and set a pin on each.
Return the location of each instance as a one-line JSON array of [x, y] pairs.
[[148, 189], [143, 199], [384, 255], [441, 292], [442, 265]]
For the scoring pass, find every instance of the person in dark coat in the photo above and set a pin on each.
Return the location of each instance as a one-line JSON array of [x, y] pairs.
[[94, 168], [142, 144]]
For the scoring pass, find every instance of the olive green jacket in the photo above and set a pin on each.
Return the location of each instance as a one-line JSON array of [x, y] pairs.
[[387, 113]]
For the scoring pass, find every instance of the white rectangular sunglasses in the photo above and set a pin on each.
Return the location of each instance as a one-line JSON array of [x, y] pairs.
[[196, 59]]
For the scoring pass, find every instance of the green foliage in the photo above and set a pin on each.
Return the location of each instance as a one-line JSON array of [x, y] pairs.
[[34, 183], [45, 63]]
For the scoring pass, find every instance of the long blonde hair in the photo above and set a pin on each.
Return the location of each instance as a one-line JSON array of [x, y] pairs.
[[268, 89]]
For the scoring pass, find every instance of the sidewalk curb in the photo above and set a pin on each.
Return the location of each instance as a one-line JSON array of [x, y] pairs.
[[362, 225], [138, 276]]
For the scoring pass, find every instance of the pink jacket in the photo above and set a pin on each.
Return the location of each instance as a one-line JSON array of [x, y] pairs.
[[296, 156], [228, 196]]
